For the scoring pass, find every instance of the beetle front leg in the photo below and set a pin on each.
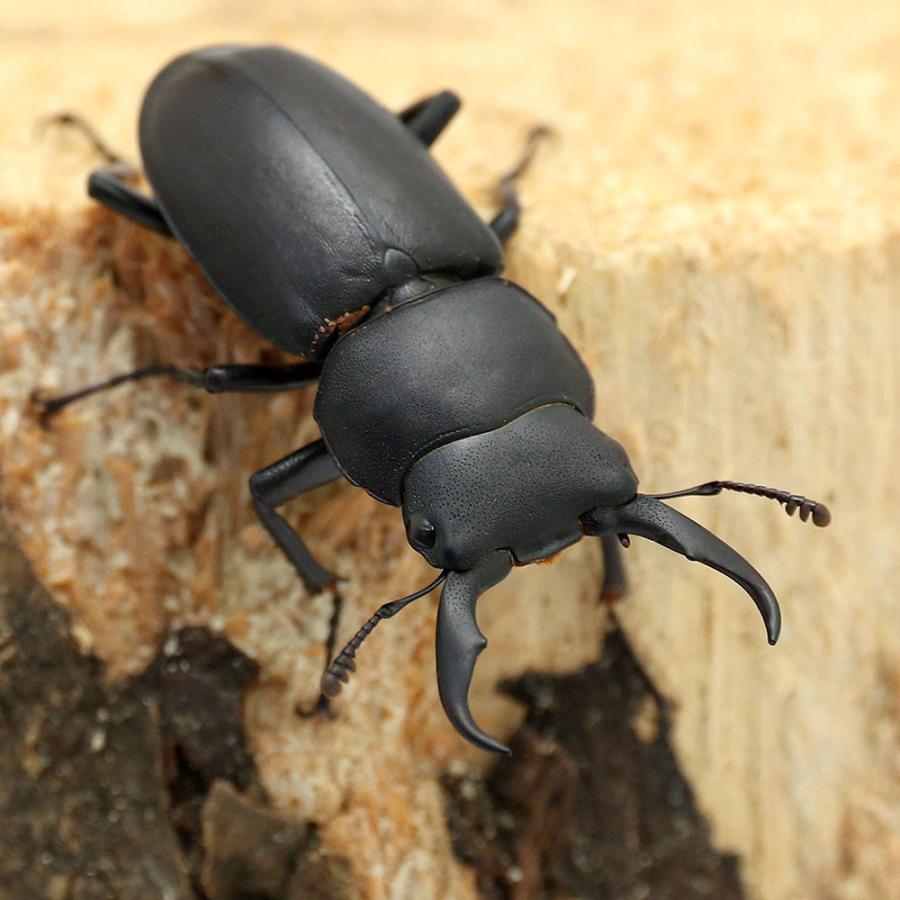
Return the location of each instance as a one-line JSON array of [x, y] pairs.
[[307, 468], [301, 471], [615, 583], [505, 223]]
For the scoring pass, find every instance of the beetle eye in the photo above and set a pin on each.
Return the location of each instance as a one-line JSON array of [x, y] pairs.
[[421, 532]]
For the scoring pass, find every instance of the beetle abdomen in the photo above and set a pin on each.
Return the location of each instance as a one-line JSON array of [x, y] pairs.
[[459, 361], [302, 199]]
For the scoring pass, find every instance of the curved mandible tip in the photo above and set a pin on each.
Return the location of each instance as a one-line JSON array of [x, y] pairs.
[[649, 518], [459, 642]]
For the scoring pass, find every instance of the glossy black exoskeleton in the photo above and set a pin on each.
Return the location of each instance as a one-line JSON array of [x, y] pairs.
[[325, 224]]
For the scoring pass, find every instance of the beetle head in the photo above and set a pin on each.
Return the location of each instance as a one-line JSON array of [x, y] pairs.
[[514, 495], [526, 490], [519, 488]]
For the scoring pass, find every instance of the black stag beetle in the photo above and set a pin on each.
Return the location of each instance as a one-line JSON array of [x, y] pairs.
[[325, 224]]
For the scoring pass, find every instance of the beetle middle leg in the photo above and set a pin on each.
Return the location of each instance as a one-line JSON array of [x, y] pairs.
[[307, 468], [304, 469], [614, 582], [506, 221], [233, 378]]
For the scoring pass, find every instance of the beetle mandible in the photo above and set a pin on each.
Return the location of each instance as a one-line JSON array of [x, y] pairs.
[[323, 221]]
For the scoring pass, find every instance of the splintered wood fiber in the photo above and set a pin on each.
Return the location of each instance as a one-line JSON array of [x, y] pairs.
[[716, 224]]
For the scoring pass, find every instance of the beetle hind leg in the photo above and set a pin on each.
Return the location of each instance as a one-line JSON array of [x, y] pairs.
[[428, 117], [109, 185], [83, 127]]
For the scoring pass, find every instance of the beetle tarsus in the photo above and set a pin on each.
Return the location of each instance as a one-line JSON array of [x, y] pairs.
[[322, 707], [214, 380], [506, 221], [323, 704], [51, 406], [82, 126]]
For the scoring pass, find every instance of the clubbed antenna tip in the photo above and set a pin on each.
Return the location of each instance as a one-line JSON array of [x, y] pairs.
[[820, 513], [338, 673]]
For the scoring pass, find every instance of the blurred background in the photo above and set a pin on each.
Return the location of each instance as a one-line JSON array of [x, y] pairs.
[[715, 223]]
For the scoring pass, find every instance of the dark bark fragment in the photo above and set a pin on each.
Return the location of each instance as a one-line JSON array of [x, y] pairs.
[[198, 681], [83, 804], [252, 852], [592, 803], [134, 790]]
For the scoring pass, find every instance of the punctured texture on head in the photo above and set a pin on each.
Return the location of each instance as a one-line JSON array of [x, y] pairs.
[[520, 487]]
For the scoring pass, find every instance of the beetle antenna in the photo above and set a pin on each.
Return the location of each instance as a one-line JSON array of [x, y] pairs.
[[821, 515], [338, 673]]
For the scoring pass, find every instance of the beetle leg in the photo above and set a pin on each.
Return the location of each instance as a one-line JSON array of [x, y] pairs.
[[427, 118], [301, 471], [304, 469], [77, 123], [215, 380], [109, 187], [506, 221], [614, 581]]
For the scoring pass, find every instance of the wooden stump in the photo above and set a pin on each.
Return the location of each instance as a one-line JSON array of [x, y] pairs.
[[716, 224]]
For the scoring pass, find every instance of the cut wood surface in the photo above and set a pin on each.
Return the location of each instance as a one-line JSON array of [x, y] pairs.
[[716, 224]]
